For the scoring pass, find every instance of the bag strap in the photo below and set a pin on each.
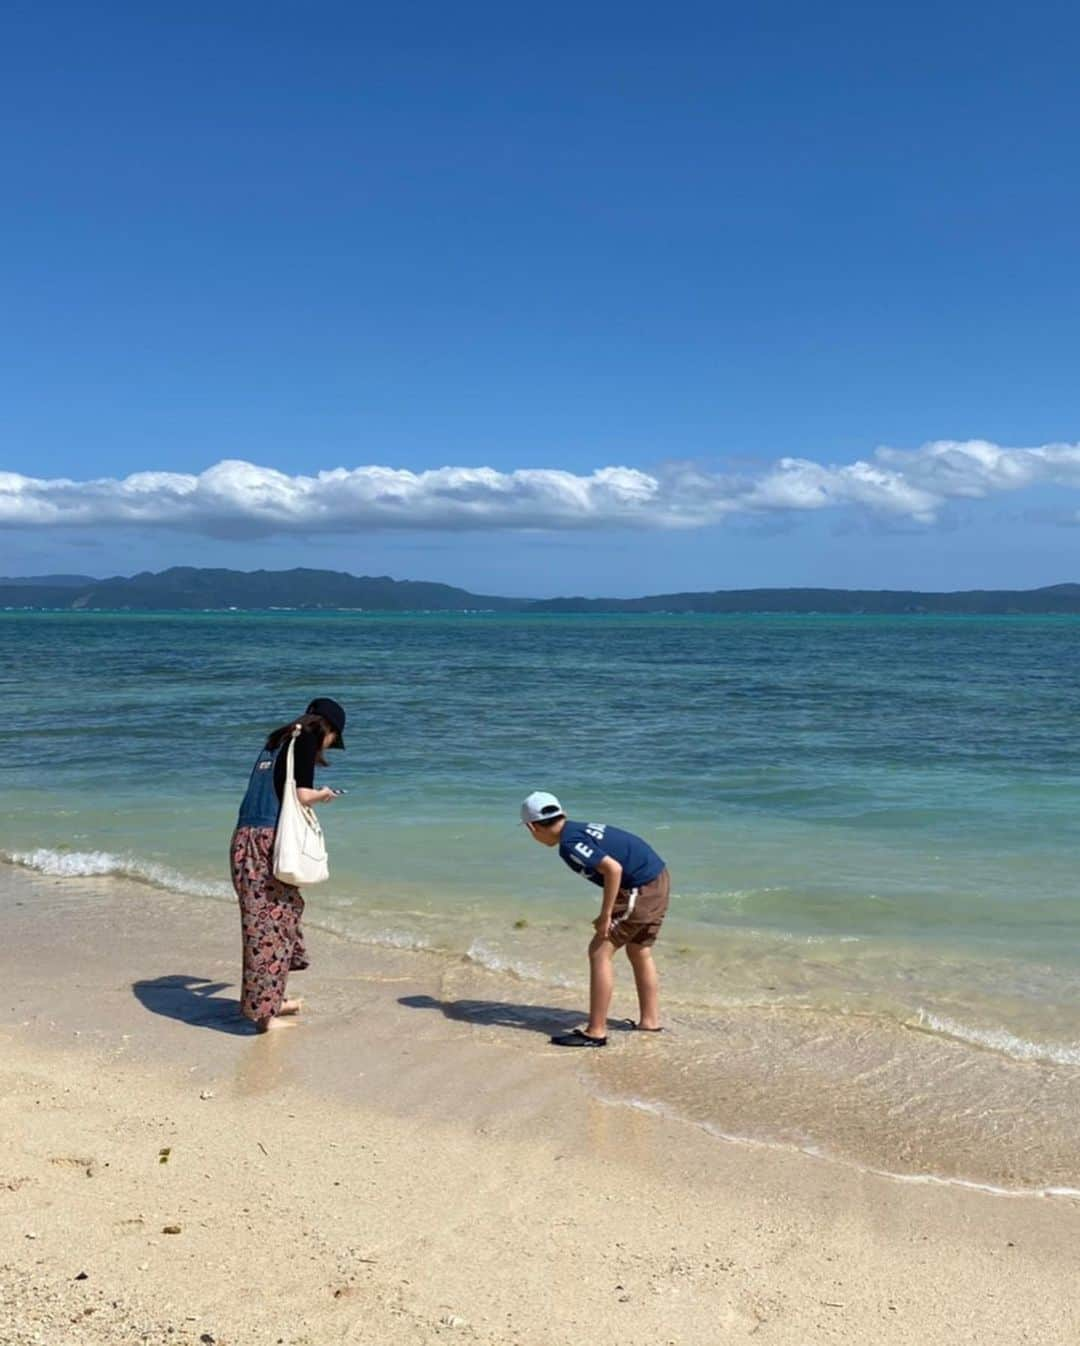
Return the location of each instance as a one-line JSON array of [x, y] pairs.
[[290, 774]]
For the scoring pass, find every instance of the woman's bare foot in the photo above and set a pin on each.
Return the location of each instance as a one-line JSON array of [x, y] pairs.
[[271, 1024], [290, 1007]]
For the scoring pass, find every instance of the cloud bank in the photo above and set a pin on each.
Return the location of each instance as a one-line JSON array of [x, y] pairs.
[[241, 500]]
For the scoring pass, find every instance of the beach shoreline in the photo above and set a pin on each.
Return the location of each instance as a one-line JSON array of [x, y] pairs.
[[406, 1167], [846, 1084]]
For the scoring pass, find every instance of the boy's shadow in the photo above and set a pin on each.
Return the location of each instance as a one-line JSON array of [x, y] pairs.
[[545, 1019], [194, 1001]]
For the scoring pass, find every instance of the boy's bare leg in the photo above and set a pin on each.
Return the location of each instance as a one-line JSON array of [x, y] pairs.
[[647, 983], [601, 985]]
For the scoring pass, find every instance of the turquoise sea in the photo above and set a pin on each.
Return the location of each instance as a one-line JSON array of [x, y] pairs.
[[871, 825]]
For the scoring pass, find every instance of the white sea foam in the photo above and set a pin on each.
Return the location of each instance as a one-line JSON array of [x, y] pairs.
[[999, 1040], [94, 864], [483, 955], [392, 939]]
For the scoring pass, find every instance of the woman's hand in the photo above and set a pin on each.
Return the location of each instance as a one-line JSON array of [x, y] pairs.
[[309, 797]]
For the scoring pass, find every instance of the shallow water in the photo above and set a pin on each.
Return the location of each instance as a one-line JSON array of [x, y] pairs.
[[869, 821]]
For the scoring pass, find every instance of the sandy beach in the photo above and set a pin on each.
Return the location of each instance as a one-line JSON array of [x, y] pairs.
[[406, 1167]]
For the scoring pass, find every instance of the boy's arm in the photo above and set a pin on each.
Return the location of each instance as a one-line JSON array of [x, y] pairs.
[[612, 873]]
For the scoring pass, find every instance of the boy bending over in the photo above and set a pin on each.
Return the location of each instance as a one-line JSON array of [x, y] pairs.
[[636, 887]]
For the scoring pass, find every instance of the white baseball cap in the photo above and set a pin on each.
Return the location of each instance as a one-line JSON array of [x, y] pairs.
[[540, 807]]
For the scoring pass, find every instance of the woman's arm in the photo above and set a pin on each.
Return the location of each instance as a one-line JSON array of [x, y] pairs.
[[304, 753]]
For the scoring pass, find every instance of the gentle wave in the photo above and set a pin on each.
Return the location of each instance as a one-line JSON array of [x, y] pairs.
[[998, 1040], [817, 1152], [95, 864], [384, 939], [99, 864], [483, 955]]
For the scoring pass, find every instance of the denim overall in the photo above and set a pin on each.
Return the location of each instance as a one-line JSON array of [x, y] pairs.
[[260, 806]]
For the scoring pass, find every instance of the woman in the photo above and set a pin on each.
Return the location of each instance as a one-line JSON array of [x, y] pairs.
[[270, 910]]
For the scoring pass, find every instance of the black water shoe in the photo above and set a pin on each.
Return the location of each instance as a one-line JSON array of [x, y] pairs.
[[576, 1038]]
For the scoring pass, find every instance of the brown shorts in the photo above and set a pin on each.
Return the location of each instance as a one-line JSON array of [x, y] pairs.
[[640, 912]]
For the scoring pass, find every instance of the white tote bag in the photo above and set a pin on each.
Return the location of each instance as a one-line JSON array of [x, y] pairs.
[[299, 848]]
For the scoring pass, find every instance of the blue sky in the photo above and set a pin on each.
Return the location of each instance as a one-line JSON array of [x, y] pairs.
[[687, 241]]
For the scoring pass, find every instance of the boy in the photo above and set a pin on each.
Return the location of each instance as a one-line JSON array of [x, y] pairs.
[[636, 886]]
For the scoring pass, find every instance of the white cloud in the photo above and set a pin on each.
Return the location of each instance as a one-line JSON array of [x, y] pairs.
[[238, 499]]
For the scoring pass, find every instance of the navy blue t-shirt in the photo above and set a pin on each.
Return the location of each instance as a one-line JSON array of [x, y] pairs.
[[583, 845]]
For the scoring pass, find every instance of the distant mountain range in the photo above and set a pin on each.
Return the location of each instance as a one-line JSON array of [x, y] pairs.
[[186, 588], [49, 581]]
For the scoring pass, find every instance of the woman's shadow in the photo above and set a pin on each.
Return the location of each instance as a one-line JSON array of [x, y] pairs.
[[194, 1001]]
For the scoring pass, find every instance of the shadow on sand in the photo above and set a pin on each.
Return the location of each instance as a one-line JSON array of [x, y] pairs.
[[194, 1001], [547, 1019]]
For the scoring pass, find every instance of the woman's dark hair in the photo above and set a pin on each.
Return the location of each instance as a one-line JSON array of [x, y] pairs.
[[309, 724]]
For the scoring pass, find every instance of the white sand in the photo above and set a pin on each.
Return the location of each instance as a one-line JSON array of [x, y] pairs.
[[381, 1173]]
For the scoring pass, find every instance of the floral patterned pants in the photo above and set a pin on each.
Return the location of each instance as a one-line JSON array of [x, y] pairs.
[[270, 913]]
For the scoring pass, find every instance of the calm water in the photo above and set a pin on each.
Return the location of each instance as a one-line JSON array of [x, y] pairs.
[[869, 818]]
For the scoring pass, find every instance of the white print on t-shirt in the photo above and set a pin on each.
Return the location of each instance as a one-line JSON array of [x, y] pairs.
[[596, 830], [583, 850]]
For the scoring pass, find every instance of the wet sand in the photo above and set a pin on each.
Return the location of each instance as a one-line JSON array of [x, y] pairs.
[[413, 1163]]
